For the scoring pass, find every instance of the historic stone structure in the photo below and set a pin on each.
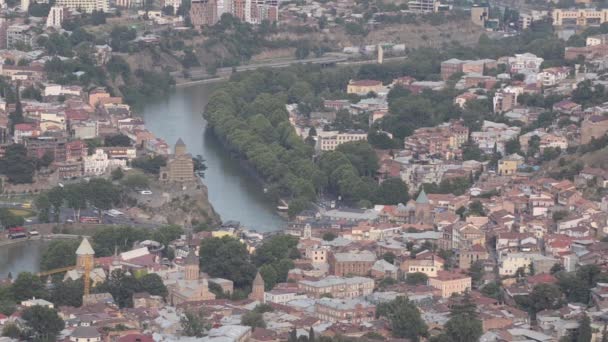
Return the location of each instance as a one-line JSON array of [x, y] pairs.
[[187, 286], [180, 168]]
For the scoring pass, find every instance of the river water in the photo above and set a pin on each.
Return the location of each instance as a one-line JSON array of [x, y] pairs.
[[21, 257], [233, 192]]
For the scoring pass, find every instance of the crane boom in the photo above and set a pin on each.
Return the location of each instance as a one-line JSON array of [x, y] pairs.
[[55, 271]]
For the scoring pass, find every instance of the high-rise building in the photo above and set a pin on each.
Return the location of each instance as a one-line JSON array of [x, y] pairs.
[[55, 17], [209, 12], [203, 13], [18, 34], [86, 6], [25, 5]]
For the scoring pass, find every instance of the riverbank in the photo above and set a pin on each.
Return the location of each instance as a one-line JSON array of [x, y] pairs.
[[234, 192]]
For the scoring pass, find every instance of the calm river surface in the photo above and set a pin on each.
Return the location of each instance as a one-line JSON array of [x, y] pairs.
[[234, 194], [21, 257]]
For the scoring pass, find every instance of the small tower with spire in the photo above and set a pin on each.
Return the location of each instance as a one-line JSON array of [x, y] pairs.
[[192, 267], [180, 147], [423, 208], [84, 254], [257, 288]]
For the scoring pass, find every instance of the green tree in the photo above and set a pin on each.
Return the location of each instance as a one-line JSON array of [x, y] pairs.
[[43, 205], [416, 278], [194, 323], [476, 271], [389, 257], [393, 191], [67, 293], [11, 330], [476, 209], [584, 332], [43, 323], [58, 254], [228, 258], [28, 286], [117, 174], [253, 319], [329, 236], [121, 286], [404, 318], [9, 219], [153, 284], [17, 166], [546, 296], [464, 324], [270, 276]]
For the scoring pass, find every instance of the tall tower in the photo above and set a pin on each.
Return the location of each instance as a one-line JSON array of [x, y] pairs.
[[84, 254], [192, 268], [180, 147], [257, 289]]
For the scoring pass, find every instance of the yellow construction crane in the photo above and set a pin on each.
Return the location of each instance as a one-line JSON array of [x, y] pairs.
[[88, 266], [86, 277], [55, 271]]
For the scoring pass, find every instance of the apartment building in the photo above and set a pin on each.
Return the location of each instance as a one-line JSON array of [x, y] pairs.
[[16, 34], [550, 77], [524, 63], [508, 165], [330, 140], [450, 283], [338, 287], [55, 17], [86, 6], [351, 263], [579, 17], [504, 101], [352, 311], [423, 6]]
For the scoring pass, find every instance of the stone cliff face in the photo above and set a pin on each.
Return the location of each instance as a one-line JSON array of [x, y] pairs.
[[190, 209], [182, 205]]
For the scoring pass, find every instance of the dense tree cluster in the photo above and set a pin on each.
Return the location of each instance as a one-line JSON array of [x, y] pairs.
[[228, 258], [274, 258], [97, 192], [249, 115], [122, 285], [404, 318]]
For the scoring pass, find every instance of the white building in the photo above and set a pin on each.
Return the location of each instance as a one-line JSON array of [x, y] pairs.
[[281, 296], [55, 17], [87, 6], [524, 62], [330, 140], [37, 302], [25, 5], [99, 163], [494, 134], [551, 76]]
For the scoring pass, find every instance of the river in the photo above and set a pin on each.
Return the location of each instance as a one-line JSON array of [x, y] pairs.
[[233, 192], [21, 257]]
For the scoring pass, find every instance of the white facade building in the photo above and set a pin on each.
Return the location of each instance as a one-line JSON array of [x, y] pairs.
[[87, 6], [328, 141], [55, 17], [525, 62], [99, 163]]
